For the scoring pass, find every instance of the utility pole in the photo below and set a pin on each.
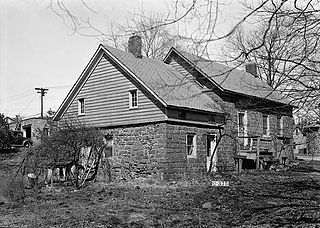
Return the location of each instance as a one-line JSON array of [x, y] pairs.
[[42, 92]]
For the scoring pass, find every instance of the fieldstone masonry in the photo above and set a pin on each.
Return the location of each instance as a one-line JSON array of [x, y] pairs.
[[159, 150], [138, 151]]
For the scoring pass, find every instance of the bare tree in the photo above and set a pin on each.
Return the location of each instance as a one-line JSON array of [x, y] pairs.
[[285, 46], [156, 40], [4, 133]]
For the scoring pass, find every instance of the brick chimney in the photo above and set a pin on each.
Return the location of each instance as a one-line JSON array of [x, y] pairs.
[[135, 46], [252, 69]]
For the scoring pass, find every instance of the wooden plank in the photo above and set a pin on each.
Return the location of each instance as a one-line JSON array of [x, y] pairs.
[[258, 154]]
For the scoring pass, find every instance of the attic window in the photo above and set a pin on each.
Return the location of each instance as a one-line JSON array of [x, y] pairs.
[[133, 98], [81, 108]]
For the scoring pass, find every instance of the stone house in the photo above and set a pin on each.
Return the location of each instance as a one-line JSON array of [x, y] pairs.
[[165, 117], [254, 111]]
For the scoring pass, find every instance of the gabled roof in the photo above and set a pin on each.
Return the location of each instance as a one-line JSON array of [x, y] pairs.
[[231, 79], [161, 81]]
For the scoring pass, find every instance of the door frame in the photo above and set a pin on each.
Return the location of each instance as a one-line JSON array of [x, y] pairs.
[[212, 139]]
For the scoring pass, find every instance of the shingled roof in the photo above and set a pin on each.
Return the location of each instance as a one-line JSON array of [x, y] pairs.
[[167, 83], [231, 79], [160, 80]]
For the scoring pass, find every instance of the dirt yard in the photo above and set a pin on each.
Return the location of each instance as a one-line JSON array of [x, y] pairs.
[[252, 199]]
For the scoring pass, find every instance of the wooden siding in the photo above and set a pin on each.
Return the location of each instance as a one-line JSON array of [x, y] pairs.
[[106, 95]]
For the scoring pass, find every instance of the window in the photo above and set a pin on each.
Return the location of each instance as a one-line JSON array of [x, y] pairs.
[[265, 125], [280, 125], [133, 98], [191, 142], [242, 129], [81, 106], [241, 121]]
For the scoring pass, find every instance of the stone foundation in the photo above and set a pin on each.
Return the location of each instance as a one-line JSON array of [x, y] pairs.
[[159, 151]]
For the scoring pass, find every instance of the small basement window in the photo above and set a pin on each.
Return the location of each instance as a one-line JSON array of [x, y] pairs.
[[133, 98], [81, 108], [191, 144]]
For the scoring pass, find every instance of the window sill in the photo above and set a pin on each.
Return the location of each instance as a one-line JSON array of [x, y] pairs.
[[81, 114], [133, 107], [191, 156]]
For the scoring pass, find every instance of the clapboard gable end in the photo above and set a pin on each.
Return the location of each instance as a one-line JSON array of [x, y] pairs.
[[105, 89]]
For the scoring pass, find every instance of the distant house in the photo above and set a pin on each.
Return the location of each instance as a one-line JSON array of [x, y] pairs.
[[30, 127], [9, 120], [309, 136], [165, 117]]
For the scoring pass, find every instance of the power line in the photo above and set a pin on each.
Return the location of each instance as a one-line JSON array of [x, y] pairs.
[[42, 92]]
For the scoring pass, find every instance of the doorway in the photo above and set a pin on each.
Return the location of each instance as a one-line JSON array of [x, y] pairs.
[[211, 145], [27, 130]]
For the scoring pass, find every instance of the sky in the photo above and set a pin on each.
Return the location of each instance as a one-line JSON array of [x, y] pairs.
[[38, 50]]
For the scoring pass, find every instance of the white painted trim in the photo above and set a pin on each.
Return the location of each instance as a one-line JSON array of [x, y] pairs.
[[194, 145], [216, 126]]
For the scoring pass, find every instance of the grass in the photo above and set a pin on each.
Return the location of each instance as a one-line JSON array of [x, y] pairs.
[[253, 199]]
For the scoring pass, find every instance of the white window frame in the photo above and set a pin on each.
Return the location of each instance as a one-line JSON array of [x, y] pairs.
[[193, 146], [81, 103], [268, 125], [131, 104]]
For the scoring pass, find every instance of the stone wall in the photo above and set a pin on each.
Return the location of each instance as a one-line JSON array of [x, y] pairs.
[[177, 164], [159, 150], [138, 151]]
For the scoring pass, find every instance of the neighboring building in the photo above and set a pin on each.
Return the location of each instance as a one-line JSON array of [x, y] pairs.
[[164, 118], [9, 120], [311, 137], [30, 127]]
